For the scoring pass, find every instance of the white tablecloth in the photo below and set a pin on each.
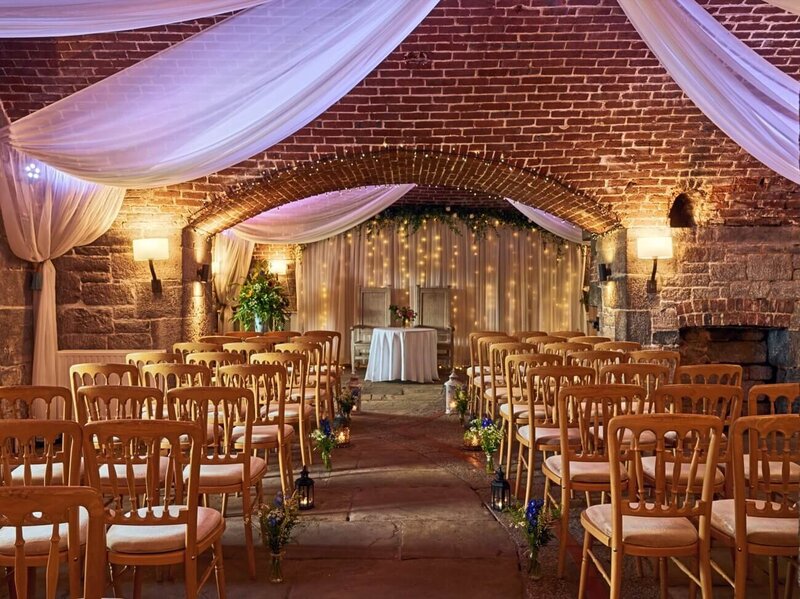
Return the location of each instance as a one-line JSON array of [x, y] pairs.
[[402, 354]]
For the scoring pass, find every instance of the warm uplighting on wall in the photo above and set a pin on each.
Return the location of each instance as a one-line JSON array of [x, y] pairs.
[[154, 248], [279, 267], [655, 248]]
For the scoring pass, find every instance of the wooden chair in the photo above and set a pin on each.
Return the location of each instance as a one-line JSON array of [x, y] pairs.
[[170, 376], [297, 412], [142, 358], [434, 310], [709, 374], [247, 348], [55, 463], [42, 525], [331, 342], [276, 337], [539, 341], [314, 391], [762, 517], [524, 335], [623, 346], [542, 386], [596, 359], [326, 373], [664, 357], [483, 381], [592, 340], [567, 334], [780, 398], [655, 521], [82, 375], [219, 339], [166, 526], [193, 347], [213, 360], [118, 402], [270, 431], [240, 335], [564, 348], [228, 466], [649, 376], [498, 391], [32, 401], [583, 465]]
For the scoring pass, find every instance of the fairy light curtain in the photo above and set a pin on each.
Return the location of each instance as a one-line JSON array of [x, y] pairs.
[[510, 280]]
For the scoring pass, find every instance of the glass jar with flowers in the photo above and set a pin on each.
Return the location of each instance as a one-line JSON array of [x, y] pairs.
[[404, 314], [536, 522], [491, 436], [275, 523], [263, 301], [324, 442]]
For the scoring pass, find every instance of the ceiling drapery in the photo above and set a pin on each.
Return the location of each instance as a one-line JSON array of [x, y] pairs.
[[548, 222], [753, 102], [57, 18], [219, 97]]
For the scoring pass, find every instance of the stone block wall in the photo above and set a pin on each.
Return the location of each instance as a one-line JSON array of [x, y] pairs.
[[16, 317]]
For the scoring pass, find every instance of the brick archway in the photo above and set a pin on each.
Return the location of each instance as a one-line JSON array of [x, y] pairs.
[[400, 165], [736, 312]]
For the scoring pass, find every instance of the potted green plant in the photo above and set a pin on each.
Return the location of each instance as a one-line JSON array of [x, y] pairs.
[[263, 301]]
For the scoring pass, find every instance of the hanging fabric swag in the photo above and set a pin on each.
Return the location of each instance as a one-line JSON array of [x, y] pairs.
[[219, 97], [548, 222], [45, 215], [56, 18], [753, 102], [231, 257], [321, 216]]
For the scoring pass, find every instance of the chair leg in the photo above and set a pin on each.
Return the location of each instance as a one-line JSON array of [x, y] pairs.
[[529, 478], [740, 579], [663, 577], [518, 477], [137, 582], [219, 569], [190, 574], [791, 575], [587, 545], [773, 577], [248, 532], [224, 504], [562, 540], [616, 573]]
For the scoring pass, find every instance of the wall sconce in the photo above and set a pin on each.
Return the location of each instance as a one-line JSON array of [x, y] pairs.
[[154, 248], [654, 248], [279, 267], [204, 273], [603, 272]]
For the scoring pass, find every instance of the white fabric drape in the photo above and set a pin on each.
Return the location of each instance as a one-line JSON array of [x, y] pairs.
[[318, 217], [55, 18], [219, 97], [230, 260], [510, 280], [753, 102], [548, 222], [787, 5], [44, 218]]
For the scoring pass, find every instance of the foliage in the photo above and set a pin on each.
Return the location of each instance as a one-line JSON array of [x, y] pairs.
[[276, 521], [403, 312], [262, 296], [535, 521], [347, 399], [462, 402], [488, 432], [324, 442]]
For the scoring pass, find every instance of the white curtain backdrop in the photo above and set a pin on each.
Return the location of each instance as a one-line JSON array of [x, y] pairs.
[[548, 222], [55, 18], [230, 262], [787, 5], [753, 102], [510, 280], [45, 217], [318, 217], [219, 97]]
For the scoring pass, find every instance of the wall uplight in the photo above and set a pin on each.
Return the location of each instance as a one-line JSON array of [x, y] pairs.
[[655, 248], [279, 267], [153, 248]]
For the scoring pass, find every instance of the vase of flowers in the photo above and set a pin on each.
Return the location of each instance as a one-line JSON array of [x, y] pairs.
[[263, 301], [346, 401], [536, 523], [491, 436], [462, 404], [404, 314], [276, 523], [324, 442]]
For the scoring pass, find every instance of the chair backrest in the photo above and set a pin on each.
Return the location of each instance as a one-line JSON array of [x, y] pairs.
[[590, 408], [771, 445], [484, 349], [472, 341], [142, 358], [596, 359], [780, 398], [22, 507], [374, 305], [564, 348], [275, 337], [40, 452], [543, 385], [267, 382], [567, 334], [649, 376], [214, 359], [517, 365], [102, 374], [218, 339], [498, 352], [296, 367], [590, 339], [709, 374], [118, 402], [696, 443], [169, 376], [241, 335], [433, 306], [336, 342], [540, 341], [313, 354], [670, 359], [625, 346], [325, 345], [193, 347], [248, 348], [161, 450], [33, 401], [524, 335]]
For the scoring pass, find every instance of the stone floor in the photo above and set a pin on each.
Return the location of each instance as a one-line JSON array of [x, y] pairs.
[[403, 514]]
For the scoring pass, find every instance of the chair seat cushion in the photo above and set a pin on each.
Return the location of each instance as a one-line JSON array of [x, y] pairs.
[[309, 394], [139, 472], [781, 532], [472, 371], [549, 435], [775, 471], [37, 537], [645, 438], [263, 433], [649, 469], [161, 538], [584, 472], [643, 531], [224, 475], [290, 411], [38, 473], [520, 410]]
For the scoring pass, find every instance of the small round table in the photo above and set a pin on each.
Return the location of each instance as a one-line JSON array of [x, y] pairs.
[[406, 354]]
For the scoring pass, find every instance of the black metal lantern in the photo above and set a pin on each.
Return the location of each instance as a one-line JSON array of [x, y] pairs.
[[304, 487], [501, 491]]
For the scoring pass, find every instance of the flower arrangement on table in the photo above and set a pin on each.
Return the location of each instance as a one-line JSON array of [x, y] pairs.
[[490, 436], [324, 442], [536, 523], [403, 313], [276, 522], [263, 301]]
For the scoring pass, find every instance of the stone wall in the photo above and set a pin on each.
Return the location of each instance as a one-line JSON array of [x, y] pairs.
[[16, 317]]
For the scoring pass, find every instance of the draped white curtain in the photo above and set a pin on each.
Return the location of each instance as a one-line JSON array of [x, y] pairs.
[[548, 222], [753, 102], [318, 217], [511, 280], [45, 216], [787, 5], [230, 257], [55, 18], [219, 97]]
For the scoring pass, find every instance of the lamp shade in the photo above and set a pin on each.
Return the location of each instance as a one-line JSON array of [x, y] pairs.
[[654, 248], [153, 248], [279, 267]]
